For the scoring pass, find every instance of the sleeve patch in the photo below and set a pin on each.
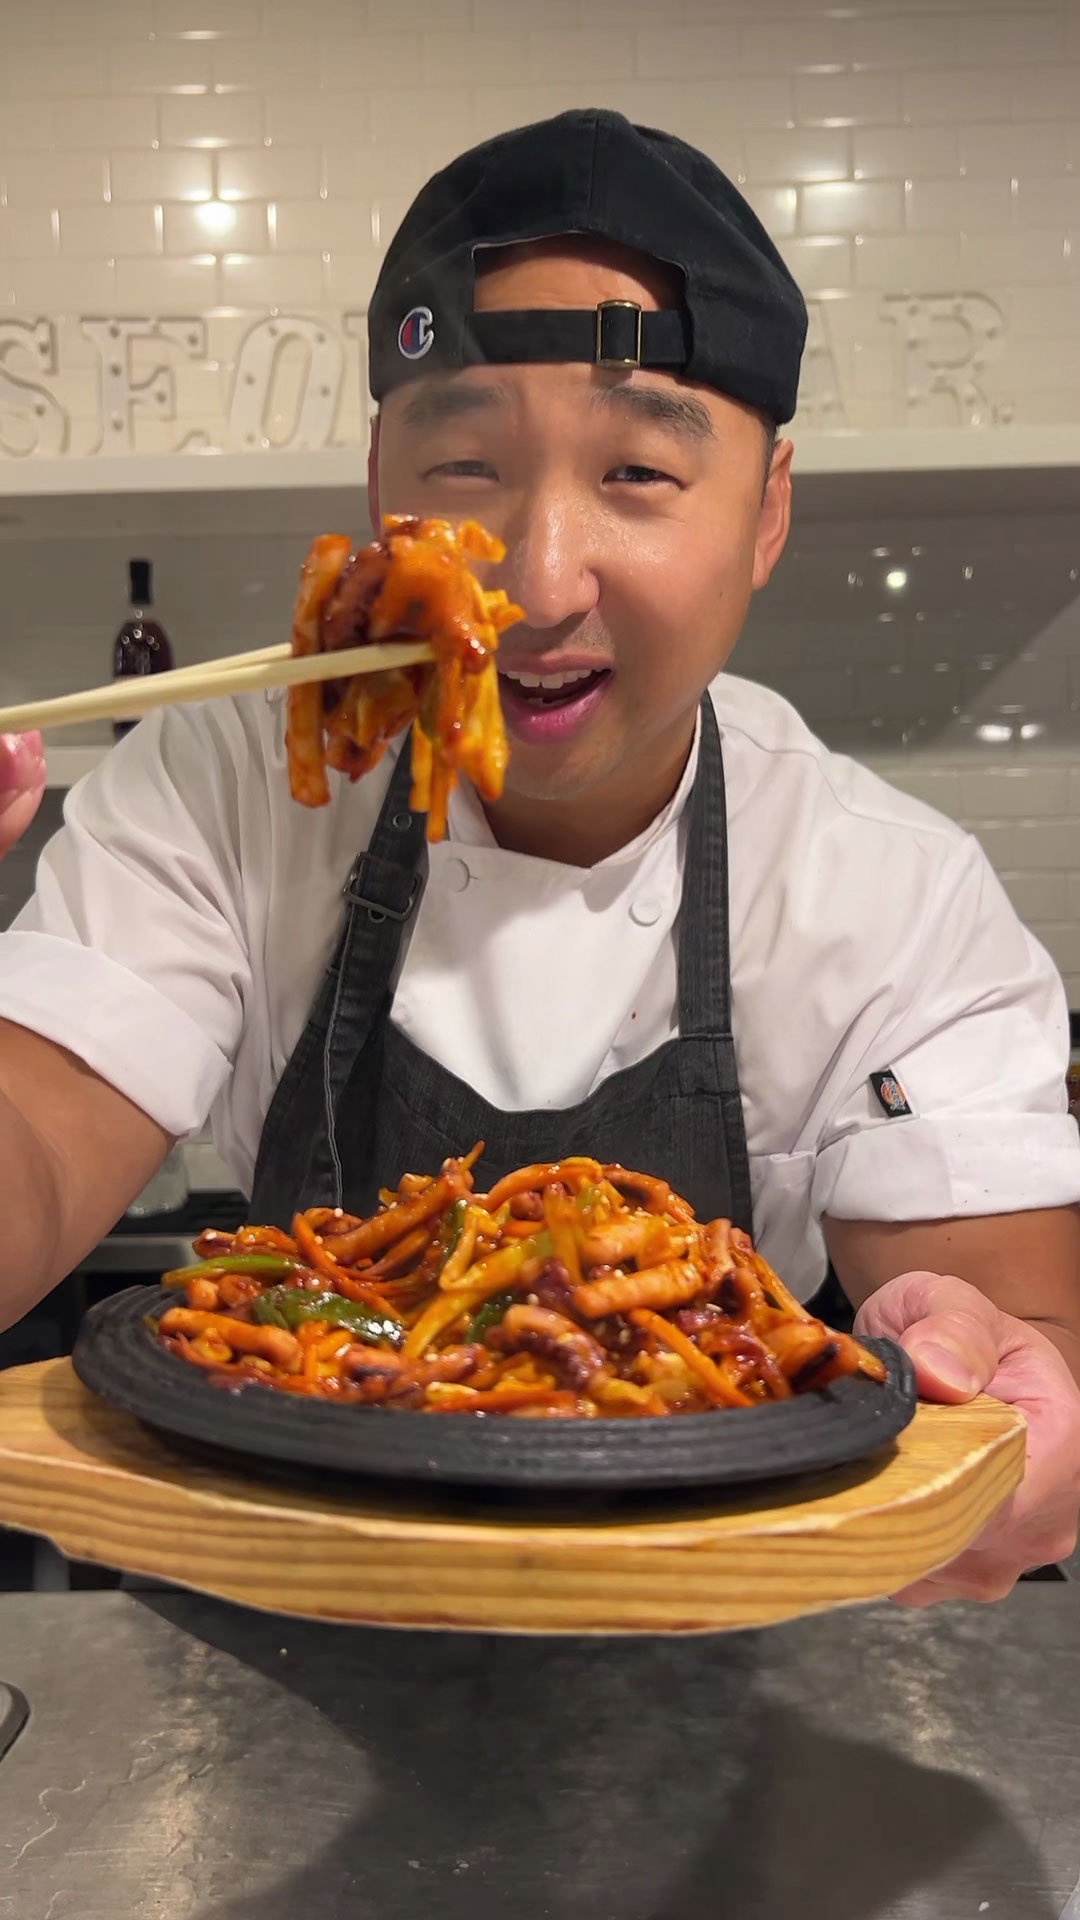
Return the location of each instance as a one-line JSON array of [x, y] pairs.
[[891, 1096]]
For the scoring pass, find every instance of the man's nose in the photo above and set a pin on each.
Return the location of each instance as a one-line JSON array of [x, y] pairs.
[[549, 564]]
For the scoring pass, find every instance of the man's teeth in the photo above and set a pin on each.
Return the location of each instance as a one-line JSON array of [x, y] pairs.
[[550, 682]]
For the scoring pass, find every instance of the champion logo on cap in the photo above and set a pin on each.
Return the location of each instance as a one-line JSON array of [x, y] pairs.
[[416, 334]]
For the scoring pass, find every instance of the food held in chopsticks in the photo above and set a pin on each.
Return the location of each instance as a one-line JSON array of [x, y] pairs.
[[414, 583], [571, 1289]]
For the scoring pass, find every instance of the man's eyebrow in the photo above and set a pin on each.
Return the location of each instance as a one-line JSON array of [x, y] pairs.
[[433, 403], [662, 406]]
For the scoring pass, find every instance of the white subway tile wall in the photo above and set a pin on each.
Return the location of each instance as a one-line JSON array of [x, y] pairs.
[[944, 652], [908, 153], [226, 157], [798, 154], [159, 176], [931, 146], [240, 223], [851, 206]]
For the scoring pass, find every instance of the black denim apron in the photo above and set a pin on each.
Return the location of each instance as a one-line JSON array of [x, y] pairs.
[[359, 1104]]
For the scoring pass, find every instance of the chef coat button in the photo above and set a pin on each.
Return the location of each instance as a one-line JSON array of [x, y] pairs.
[[646, 911], [456, 875]]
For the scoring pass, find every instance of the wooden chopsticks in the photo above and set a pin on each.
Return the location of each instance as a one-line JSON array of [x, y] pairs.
[[211, 679]]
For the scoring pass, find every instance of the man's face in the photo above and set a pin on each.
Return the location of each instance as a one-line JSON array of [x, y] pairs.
[[631, 507]]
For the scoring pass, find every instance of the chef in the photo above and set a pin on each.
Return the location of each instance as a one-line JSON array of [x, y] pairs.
[[687, 937]]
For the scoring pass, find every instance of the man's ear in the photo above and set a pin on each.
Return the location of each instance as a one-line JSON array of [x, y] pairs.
[[374, 511], [774, 519]]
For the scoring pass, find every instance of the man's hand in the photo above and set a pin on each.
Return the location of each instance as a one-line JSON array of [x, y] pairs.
[[962, 1344], [22, 783]]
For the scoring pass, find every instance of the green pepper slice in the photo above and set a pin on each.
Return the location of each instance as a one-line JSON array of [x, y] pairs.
[[290, 1307], [267, 1266], [457, 1212], [488, 1316]]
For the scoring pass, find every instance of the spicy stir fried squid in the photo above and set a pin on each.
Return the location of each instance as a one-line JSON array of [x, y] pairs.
[[413, 584], [571, 1289]]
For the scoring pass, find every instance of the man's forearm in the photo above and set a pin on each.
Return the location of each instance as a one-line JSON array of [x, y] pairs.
[[73, 1153], [33, 1215], [1028, 1264]]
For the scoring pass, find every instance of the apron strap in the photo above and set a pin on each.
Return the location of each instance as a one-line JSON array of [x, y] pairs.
[[704, 944], [381, 894]]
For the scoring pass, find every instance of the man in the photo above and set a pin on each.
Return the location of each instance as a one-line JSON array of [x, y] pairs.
[[686, 936]]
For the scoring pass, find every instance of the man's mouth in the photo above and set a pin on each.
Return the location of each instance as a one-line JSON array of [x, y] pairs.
[[547, 707], [553, 689]]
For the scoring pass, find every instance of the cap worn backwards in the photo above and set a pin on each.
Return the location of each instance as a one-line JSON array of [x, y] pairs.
[[742, 323]]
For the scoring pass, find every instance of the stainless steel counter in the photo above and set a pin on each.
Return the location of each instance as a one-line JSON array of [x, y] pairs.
[[142, 1255], [186, 1760]]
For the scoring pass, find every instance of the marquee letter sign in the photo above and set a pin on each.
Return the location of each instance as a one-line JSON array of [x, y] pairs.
[[121, 393], [295, 366], [31, 419], [948, 339], [356, 328], [257, 366]]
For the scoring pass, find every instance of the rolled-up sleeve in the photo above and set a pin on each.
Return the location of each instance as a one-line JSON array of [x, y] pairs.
[[132, 953], [980, 1046]]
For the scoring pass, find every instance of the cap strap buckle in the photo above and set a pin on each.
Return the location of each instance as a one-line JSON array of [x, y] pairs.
[[618, 334]]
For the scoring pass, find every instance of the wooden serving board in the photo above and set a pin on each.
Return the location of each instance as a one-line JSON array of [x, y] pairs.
[[106, 1488]]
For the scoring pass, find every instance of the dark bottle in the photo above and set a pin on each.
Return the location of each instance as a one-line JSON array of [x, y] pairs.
[[142, 645]]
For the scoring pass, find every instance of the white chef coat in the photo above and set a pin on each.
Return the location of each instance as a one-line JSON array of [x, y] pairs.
[[185, 912]]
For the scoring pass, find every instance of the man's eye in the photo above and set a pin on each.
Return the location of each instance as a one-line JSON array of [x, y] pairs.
[[462, 470], [638, 476]]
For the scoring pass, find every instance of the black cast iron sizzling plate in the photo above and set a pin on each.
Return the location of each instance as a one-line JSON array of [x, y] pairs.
[[117, 1357]]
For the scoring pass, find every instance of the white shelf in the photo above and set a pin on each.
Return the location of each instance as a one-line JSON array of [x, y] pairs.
[[939, 450], [141, 473], [191, 494], [1002, 470], [292, 490]]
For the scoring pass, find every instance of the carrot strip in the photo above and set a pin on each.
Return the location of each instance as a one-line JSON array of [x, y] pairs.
[[383, 1229], [314, 1252], [499, 1399], [718, 1388]]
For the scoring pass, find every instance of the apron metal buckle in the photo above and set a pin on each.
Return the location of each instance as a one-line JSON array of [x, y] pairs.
[[388, 884]]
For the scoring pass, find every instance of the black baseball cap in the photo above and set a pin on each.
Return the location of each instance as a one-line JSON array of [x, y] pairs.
[[742, 322]]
